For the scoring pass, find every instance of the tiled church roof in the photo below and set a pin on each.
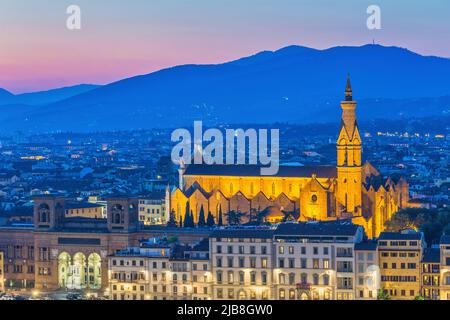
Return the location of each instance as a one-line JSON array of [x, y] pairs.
[[254, 171]]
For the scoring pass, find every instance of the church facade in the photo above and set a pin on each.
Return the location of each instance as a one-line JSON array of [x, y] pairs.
[[349, 190]]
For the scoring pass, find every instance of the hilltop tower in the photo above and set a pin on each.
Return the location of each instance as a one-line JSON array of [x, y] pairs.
[[349, 159]]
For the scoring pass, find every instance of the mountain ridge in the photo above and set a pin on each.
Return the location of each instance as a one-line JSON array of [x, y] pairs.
[[46, 96], [294, 83]]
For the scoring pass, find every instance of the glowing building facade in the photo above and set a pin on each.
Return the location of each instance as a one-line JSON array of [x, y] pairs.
[[351, 189]]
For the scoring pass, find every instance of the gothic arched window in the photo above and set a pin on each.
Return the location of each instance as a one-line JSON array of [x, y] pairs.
[[44, 213], [117, 214]]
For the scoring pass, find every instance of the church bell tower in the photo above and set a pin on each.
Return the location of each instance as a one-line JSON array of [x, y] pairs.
[[349, 158]]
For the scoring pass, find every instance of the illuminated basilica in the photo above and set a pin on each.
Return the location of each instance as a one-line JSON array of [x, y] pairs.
[[349, 190]]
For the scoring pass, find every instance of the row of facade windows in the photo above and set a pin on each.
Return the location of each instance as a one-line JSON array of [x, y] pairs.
[[402, 265]]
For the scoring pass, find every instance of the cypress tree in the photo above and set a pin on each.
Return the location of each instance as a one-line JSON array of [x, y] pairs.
[[181, 221], [172, 222], [201, 218], [210, 220], [191, 220], [186, 223], [220, 223]]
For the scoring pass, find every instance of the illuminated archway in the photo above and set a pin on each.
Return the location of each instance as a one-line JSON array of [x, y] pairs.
[[94, 271], [78, 271], [64, 270], [242, 295]]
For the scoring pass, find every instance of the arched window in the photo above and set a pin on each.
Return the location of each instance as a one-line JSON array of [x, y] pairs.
[[282, 294], [326, 280], [219, 277], [230, 277], [282, 278], [291, 278], [315, 279], [253, 278], [304, 278], [94, 271], [291, 294], [44, 213], [117, 214], [263, 278], [241, 277]]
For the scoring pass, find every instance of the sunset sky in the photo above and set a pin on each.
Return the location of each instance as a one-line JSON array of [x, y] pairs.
[[120, 38]]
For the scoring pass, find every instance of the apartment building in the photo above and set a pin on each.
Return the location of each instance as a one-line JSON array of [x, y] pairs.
[[400, 255], [315, 260], [201, 275], [152, 210], [2, 273], [444, 248], [140, 273], [293, 261], [158, 270], [367, 271], [430, 274], [242, 263]]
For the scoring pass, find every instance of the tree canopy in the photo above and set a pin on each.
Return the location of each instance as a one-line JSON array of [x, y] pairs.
[[432, 222]]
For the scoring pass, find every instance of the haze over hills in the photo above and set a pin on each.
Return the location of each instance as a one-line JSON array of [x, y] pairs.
[[44, 97], [4, 95], [294, 84]]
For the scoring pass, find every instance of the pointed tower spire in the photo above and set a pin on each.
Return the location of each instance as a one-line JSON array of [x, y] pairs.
[[348, 89]]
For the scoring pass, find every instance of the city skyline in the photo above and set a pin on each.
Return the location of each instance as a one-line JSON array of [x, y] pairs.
[[41, 53], [194, 150]]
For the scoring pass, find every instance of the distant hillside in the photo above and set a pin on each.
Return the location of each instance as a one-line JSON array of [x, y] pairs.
[[4, 95], [294, 84], [44, 97]]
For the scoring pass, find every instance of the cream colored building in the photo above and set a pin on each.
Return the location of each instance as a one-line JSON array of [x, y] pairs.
[[241, 264], [153, 271], [367, 271], [2, 273], [293, 261], [202, 278], [315, 260], [85, 210], [430, 274], [445, 267], [152, 210], [400, 255], [307, 260]]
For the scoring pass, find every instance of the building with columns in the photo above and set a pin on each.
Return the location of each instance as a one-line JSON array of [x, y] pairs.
[[350, 189], [62, 252]]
